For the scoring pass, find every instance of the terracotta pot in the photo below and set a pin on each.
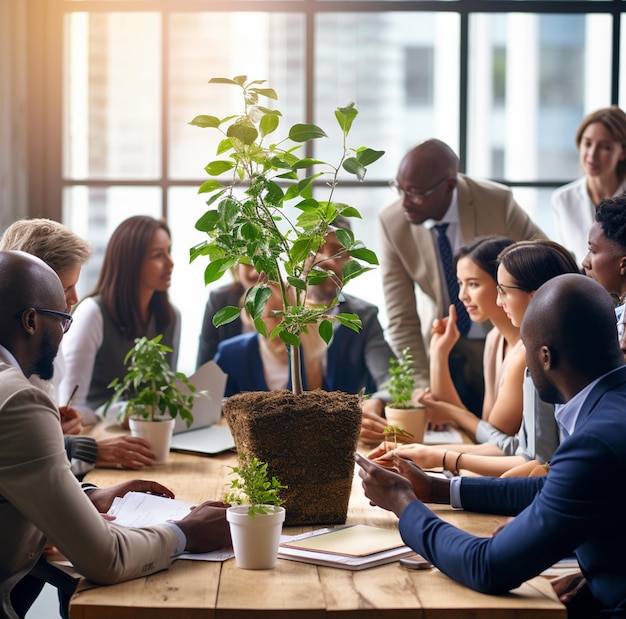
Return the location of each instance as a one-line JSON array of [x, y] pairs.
[[412, 420], [255, 540], [308, 441], [158, 433]]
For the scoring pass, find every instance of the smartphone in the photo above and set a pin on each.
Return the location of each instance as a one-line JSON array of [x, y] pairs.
[[415, 562]]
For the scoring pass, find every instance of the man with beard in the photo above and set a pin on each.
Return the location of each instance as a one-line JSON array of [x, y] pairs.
[[39, 496], [574, 358]]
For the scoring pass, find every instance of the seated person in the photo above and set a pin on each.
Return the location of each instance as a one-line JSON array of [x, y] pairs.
[[352, 362], [522, 269], [230, 294], [41, 497], [129, 301], [574, 358], [66, 253]]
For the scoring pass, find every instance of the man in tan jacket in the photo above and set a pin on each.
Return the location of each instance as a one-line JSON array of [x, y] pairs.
[[39, 496], [432, 192]]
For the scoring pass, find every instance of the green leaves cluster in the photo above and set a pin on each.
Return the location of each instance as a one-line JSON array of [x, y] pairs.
[[402, 382], [253, 178], [253, 486], [151, 387]]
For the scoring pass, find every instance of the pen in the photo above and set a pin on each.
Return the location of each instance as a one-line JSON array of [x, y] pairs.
[[69, 402]]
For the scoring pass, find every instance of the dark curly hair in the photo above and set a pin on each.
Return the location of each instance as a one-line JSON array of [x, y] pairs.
[[611, 215]]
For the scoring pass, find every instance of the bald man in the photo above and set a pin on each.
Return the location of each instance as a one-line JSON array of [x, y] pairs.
[[574, 358], [433, 192], [39, 496]]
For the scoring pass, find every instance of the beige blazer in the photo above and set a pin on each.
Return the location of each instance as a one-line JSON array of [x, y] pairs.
[[40, 498], [410, 262]]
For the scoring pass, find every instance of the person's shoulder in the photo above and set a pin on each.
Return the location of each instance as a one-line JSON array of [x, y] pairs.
[[356, 304], [242, 341], [391, 211], [566, 193], [89, 306], [474, 184]]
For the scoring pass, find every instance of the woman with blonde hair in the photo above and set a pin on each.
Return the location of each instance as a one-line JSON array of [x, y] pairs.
[[601, 143]]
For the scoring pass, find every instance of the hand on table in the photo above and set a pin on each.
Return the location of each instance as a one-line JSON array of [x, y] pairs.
[[129, 452], [568, 585], [206, 527], [71, 420], [372, 426], [102, 498]]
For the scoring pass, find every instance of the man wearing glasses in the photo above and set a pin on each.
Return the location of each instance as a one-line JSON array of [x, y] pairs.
[[40, 497], [438, 211]]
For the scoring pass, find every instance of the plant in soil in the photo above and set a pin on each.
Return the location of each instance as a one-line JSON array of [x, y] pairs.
[[152, 389], [253, 486], [263, 211], [402, 382]]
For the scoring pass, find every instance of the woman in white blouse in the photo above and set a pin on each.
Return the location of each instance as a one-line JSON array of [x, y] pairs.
[[601, 142]]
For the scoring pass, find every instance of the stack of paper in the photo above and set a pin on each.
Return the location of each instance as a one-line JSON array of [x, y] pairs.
[[354, 547]]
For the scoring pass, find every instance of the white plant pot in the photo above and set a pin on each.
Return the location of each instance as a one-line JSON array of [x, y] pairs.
[[255, 540], [158, 433], [412, 420]]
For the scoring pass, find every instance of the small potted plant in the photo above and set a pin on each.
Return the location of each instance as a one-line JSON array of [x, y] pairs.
[[256, 518], [402, 411], [152, 395]]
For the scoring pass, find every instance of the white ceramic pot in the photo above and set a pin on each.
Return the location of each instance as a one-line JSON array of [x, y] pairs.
[[255, 540], [412, 420], [158, 433]]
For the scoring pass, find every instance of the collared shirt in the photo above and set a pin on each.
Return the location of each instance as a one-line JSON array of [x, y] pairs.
[[9, 358], [566, 416]]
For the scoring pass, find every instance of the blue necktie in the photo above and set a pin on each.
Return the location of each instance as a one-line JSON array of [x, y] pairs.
[[445, 252]]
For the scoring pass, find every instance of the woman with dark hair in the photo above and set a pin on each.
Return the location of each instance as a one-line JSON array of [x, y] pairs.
[[130, 300], [606, 257], [601, 143], [522, 269], [503, 361]]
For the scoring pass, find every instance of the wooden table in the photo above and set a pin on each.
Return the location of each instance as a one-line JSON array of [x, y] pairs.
[[193, 589]]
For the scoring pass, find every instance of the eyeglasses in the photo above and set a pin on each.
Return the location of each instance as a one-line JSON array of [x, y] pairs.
[[65, 319], [501, 288], [414, 196]]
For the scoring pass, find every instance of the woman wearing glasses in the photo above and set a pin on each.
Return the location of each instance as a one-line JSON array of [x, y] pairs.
[[601, 143], [130, 300], [522, 268]]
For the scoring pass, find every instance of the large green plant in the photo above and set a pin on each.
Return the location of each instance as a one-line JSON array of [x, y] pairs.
[[251, 182]]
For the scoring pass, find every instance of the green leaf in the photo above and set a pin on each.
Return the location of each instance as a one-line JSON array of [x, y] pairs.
[[270, 93], [208, 221], [345, 116], [301, 249], [367, 156], [209, 186], [268, 124], [260, 326], [345, 237], [297, 283], [222, 80], [310, 204], [205, 121], [289, 338], [364, 254], [306, 162], [347, 211], [243, 132], [317, 277], [352, 165], [349, 320], [215, 168], [326, 330], [352, 269], [216, 268], [225, 315], [240, 79], [304, 132], [224, 146]]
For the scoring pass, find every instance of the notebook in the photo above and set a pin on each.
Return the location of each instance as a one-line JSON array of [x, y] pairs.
[[205, 435]]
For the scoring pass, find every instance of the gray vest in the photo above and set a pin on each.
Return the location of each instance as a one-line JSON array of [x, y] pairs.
[[109, 361]]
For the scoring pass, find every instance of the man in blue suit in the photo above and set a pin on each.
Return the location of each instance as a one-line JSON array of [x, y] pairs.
[[574, 358]]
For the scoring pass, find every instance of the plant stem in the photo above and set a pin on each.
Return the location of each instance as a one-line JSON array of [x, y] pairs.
[[296, 374]]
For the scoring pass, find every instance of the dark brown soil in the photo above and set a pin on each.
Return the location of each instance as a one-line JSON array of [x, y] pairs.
[[308, 442]]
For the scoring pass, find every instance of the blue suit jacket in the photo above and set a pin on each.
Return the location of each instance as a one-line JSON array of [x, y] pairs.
[[355, 360], [577, 508]]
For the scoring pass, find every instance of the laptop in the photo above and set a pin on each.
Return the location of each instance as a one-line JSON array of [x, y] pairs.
[[205, 436]]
